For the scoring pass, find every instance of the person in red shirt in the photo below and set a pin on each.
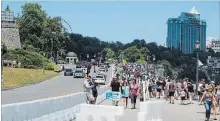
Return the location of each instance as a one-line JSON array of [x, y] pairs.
[[134, 90]]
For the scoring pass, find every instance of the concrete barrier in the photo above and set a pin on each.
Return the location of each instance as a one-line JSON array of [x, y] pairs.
[[151, 111], [38, 108], [99, 113], [62, 108]]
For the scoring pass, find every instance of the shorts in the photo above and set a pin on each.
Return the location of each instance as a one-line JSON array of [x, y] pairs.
[[95, 94], [171, 94], [183, 98], [90, 96], [158, 90], [199, 93]]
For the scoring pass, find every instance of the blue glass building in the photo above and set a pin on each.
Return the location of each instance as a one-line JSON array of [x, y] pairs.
[[184, 31]]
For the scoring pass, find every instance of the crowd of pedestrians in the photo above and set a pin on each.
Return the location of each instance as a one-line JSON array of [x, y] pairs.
[[128, 81]]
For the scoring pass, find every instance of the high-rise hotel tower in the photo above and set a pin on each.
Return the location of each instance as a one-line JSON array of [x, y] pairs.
[[184, 31]]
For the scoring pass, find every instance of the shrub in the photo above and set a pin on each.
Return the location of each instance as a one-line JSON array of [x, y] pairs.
[[29, 59]]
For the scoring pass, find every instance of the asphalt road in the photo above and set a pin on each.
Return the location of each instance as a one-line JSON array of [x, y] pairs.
[[57, 86]]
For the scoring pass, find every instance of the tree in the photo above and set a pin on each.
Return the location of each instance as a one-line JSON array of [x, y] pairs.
[[167, 66]]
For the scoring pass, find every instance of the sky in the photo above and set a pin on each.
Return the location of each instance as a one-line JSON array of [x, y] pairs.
[[125, 21]]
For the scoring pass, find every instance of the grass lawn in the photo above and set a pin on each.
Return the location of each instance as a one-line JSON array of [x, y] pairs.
[[17, 77]]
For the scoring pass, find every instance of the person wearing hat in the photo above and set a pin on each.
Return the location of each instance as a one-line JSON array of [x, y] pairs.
[[209, 101]]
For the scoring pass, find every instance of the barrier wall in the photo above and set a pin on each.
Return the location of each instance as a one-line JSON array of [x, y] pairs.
[[62, 108], [99, 113]]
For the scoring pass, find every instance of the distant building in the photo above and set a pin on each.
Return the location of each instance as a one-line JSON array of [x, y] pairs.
[[71, 57], [214, 64], [184, 31], [213, 44]]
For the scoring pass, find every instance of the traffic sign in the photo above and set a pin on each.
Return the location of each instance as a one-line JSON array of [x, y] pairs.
[[113, 96]]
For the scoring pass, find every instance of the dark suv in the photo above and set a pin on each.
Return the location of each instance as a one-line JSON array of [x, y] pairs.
[[68, 72]]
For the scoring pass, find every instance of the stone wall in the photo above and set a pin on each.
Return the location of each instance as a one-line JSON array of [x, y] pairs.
[[10, 36]]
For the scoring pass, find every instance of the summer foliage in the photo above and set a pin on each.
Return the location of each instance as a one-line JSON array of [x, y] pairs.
[[39, 32]]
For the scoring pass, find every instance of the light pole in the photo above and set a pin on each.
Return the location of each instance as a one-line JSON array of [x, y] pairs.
[[197, 44], [154, 64], [51, 49], [88, 57], [94, 63], [2, 63]]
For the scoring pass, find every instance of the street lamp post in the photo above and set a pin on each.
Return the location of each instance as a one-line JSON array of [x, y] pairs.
[[94, 63], [51, 50], [154, 64], [88, 57], [2, 63], [197, 44]]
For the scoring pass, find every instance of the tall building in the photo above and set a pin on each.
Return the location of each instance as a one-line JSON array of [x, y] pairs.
[[184, 31]]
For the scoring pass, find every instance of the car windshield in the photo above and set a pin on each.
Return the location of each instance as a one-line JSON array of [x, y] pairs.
[[68, 70], [99, 77], [78, 71]]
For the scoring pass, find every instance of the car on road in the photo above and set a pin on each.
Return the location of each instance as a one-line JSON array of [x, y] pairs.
[[100, 79], [107, 64], [68, 72], [79, 73], [102, 70], [102, 74]]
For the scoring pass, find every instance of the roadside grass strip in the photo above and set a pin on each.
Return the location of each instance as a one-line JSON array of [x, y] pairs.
[[18, 77]]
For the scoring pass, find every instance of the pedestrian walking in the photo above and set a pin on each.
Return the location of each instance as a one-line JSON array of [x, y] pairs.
[[218, 95], [134, 88], [182, 95], [87, 89], [209, 101], [190, 91], [171, 91], [125, 93], [94, 89], [115, 87]]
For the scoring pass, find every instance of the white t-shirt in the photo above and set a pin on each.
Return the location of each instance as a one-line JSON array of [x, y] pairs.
[[199, 87], [86, 85], [182, 93]]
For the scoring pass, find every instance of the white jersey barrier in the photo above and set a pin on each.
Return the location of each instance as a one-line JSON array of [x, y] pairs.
[[151, 111], [50, 109], [99, 113], [37, 108]]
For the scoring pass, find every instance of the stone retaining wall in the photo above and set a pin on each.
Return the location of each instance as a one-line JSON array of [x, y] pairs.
[[10, 36]]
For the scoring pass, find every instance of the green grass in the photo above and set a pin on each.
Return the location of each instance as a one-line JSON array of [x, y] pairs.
[[17, 77]]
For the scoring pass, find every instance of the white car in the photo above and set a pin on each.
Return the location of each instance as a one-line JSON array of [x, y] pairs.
[[79, 73], [100, 79], [101, 74], [102, 70]]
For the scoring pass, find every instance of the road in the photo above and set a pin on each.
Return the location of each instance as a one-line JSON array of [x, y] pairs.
[[57, 86], [171, 112]]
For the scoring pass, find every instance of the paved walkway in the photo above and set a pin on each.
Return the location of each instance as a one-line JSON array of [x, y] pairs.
[[172, 112]]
